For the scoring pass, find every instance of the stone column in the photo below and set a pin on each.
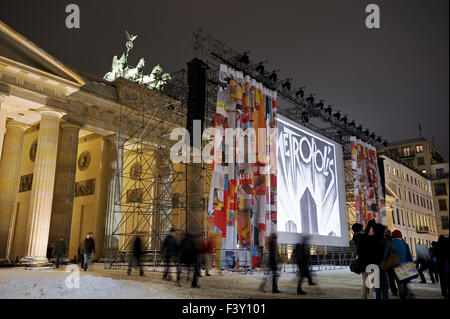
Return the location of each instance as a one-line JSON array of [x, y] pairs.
[[2, 125], [10, 179], [111, 242], [64, 190], [39, 212]]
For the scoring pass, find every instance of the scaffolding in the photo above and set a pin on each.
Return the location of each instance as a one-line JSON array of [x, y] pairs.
[[148, 191]]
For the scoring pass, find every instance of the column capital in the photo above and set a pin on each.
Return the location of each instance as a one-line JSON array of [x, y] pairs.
[[13, 123], [70, 125], [51, 112]]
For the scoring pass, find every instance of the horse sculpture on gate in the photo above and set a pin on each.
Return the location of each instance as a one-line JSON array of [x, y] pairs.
[[120, 69]]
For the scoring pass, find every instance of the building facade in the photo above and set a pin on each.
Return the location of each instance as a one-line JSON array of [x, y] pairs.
[[440, 181], [69, 162], [417, 153], [409, 204]]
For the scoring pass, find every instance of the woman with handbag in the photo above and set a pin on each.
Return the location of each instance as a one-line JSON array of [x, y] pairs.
[[402, 254]]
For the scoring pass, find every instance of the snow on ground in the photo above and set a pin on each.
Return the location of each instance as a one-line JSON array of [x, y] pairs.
[[100, 283]]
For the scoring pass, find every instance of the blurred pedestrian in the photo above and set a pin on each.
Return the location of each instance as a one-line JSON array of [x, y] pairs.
[[272, 263], [169, 251], [370, 252], [59, 250], [422, 264], [302, 257], [402, 251], [80, 255], [207, 250], [136, 256], [433, 261], [390, 272], [442, 260], [88, 249], [189, 258]]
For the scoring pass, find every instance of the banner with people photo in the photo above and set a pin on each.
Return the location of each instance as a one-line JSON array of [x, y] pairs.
[[242, 205], [369, 198]]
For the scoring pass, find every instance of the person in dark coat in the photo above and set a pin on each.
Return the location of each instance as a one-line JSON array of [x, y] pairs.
[[189, 257], [273, 262], [169, 251], [80, 255], [370, 250], [441, 252], [59, 250], [390, 273], [136, 256], [433, 261], [302, 258], [88, 249]]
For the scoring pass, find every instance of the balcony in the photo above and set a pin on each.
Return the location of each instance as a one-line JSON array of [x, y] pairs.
[[423, 230]]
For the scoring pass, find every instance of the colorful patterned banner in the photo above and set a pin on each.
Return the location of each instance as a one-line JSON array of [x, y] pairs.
[[242, 206], [369, 198]]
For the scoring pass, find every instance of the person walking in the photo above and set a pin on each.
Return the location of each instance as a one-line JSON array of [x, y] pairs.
[[433, 261], [207, 250], [441, 252], [302, 259], [370, 252], [88, 249], [402, 251], [80, 255], [189, 258], [169, 251], [136, 255], [59, 251], [391, 284], [273, 262]]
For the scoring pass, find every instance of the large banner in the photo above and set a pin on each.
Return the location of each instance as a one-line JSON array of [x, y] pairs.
[[369, 199], [242, 206], [311, 187]]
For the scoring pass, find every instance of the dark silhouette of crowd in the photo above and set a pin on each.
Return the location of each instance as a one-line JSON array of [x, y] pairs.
[[376, 245]]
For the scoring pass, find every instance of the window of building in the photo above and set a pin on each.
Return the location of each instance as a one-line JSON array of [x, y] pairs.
[[442, 205], [407, 218], [440, 189], [393, 217], [439, 172], [407, 177], [415, 181], [409, 195], [419, 148], [444, 220], [398, 216], [403, 218], [405, 151], [420, 161], [414, 199], [417, 197]]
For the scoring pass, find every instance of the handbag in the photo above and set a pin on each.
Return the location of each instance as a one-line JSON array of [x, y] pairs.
[[391, 261], [406, 272], [355, 266]]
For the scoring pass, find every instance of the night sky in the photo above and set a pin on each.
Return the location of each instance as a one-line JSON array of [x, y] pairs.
[[388, 79]]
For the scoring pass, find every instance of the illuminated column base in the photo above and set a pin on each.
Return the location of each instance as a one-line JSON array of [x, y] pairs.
[[38, 224], [9, 182]]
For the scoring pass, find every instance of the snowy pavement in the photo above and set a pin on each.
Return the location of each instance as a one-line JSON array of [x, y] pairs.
[[98, 283]]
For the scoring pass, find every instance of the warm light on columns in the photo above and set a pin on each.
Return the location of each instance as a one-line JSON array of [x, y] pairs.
[[39, 212], [9, 179]]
